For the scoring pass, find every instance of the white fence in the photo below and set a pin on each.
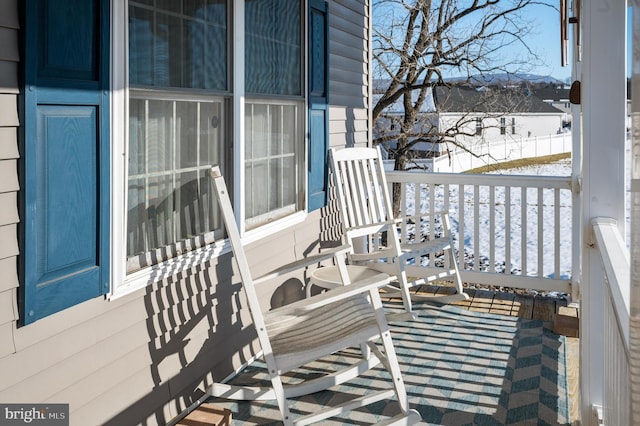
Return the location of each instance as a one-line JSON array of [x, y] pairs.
[[493, 152], [616, 389], [513, 231]]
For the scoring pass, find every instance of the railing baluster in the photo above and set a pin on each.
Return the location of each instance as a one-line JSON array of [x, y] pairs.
[[404, 211], [523, 226], [461, 231], [492, 229], [476, 227], [418, 212], [540, 232], [432, 209], [556, 235], [507, 226], [446, 206]]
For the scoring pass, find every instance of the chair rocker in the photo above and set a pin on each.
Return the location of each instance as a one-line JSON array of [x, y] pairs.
[[304, 331], [367, 214]]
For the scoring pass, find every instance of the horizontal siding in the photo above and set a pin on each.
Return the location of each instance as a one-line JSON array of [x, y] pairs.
[[9, 236], [6, 340], [9, 176], [354, 139], [348, 127], [9, 48], [9, 14], [7, 306], [9, 110], [9, 273], [350, 13], [352, 75], [9, 185], [349, 73], [348, 54], [341, 113], [9, 208], [9, 77], [8, 143], [341, 127]]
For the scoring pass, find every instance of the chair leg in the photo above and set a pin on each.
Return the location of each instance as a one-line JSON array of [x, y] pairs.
[[389, 358], [278, 388], [276, 380], [403, 280], [452, 256]]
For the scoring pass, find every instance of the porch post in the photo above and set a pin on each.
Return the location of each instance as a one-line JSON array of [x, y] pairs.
[[634, 255], [603, 95]]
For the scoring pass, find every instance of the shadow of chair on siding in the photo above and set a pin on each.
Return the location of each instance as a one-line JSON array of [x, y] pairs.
[[204, 301]]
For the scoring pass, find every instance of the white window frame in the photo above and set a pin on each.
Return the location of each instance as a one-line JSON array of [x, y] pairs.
[[122, 283]]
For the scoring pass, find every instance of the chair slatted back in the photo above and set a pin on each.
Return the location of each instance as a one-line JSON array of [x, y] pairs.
[[362, 190]]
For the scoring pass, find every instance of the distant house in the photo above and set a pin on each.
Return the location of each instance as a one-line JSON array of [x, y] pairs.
[[555, 96], [471, 115], [484, 115]]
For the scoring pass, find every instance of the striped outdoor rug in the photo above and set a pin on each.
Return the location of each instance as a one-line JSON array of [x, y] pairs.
[[460, 368]]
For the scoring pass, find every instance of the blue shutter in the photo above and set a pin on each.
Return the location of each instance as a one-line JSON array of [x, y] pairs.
[[318, 108], [65, 192]]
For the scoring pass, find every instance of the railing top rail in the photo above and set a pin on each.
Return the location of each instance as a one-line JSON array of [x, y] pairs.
[[553, 182], [615, 260]]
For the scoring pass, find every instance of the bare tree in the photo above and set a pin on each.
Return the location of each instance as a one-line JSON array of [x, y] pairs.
[[418, 43]]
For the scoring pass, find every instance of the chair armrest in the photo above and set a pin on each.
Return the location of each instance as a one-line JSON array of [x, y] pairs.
[[374, 255], [305, 262], [431, 246], [424, 214], [376, 227], [331, 296]]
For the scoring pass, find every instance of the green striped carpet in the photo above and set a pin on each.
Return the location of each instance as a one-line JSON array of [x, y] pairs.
[[460, 368]]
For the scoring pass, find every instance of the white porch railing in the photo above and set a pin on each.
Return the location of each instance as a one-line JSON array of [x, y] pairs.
[[512, 231], [616, 390]]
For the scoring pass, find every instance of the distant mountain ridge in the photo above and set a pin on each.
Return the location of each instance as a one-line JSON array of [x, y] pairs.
[[379, 85], [503, 78]]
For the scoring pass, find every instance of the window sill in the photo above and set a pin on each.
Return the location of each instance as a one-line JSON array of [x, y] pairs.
[[271, 228], [145, 277]]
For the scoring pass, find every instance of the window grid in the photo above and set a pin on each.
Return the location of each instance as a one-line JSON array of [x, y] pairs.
[[177, 230], [277, 200], [478, 126]]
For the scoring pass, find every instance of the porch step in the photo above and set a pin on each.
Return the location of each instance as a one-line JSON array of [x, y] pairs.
[[207, 415], [566, 322]]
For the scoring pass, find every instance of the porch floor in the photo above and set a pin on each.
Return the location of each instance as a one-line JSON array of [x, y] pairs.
[[556, 314], [536, 307]]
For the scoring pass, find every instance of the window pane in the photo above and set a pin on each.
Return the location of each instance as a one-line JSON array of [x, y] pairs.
[[273, 152], [158, 137], [173, 145], [140, 46], [179, 45], [273, 47]]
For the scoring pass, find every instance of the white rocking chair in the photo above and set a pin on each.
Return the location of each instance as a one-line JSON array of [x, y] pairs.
[[309, 329], [367, 213]]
